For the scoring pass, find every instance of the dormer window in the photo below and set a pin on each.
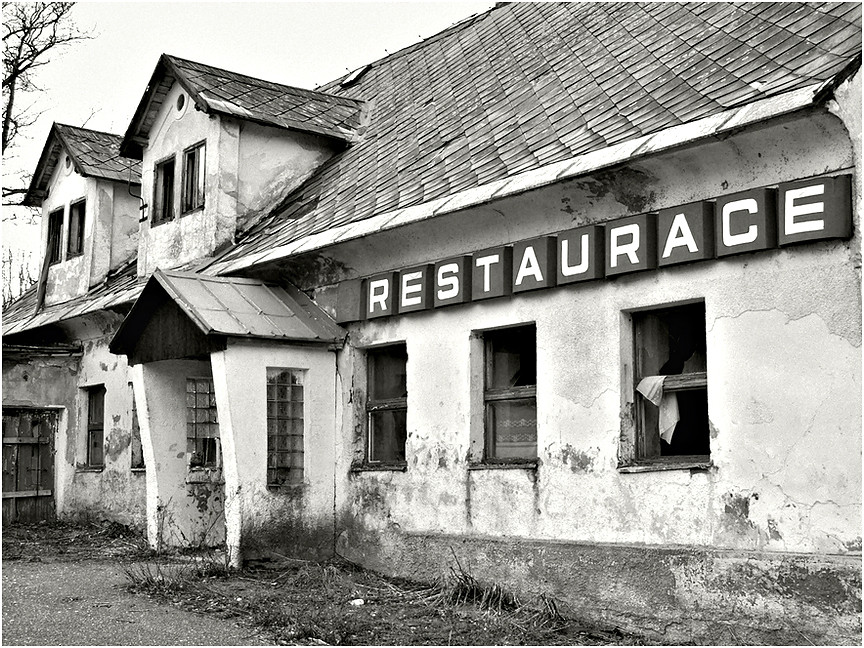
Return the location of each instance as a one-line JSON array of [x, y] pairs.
[[55, 236], [193, 178], [163, 194], [75, 245]]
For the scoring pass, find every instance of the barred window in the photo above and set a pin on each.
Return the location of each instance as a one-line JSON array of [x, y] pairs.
[[284, 426], [510, 394], [202, 423]]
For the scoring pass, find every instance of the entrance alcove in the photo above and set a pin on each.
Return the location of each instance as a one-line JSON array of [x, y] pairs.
[[235, 386]]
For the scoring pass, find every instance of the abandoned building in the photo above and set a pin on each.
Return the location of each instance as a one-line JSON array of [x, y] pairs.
[[571, 292]]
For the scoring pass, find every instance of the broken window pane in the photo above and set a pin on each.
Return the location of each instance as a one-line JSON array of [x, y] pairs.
[[387, 404], [510, 393], [284, 426], [673, 422], [55, 233], [75, 244], [163, 193]]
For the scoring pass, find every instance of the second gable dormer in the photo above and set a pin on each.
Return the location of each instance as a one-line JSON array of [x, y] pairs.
[[219, 150], [89, 197]]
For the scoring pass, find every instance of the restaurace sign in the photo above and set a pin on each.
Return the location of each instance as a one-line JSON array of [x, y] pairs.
[[749, 221]]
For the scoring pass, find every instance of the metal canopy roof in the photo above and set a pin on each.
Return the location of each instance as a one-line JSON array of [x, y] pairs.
[[231, 307]]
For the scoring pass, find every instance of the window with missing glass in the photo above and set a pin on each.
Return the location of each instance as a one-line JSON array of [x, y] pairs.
[[386, 404], [163, 191], [671, 384], [202, 423], [510, 394], [75, 243], [193, 178], [285, 448], [55, 237], [96, 426]]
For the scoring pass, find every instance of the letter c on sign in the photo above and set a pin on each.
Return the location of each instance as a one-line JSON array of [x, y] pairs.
[[729, 239]]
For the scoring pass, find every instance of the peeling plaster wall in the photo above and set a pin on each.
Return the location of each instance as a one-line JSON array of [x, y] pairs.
[[249, 170], [115, 492], [184, 507], [110, 231], [272, 163], [784, 398], [293, 518]]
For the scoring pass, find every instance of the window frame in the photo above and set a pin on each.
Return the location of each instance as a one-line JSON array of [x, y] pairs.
[[95, 426], [159, 216], [492, 395], [54, 248], [216, 461], [186, 203], [634, 455], [285, 476], [70, 253], [376, 405]]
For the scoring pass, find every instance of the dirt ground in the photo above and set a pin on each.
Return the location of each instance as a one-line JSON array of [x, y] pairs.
[[293, 602]]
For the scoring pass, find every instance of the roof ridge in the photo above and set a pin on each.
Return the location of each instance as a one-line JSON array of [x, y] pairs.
[[264, 81], [89, 130]]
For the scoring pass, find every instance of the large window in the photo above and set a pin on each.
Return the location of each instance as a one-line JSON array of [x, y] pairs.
[[75, 244], [510, 394], [671, 384], [386, 404], [193, 178], [95, 426], [284, 426], [202, 423], [55, 236], [163, 192]]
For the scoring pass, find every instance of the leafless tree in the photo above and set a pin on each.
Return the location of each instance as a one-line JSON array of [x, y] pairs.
[[32, 33], [17, 274]]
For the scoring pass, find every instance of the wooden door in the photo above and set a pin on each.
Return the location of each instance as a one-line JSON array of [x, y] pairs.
[[28, 464]]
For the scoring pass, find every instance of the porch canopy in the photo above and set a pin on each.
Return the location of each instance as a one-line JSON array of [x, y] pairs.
[[189, 315]]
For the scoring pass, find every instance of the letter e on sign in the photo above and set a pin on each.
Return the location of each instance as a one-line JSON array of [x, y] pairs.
[[380, 293], [685, 234], [745, 222], [812, 210], [415, 289], [631, 244], [452, 281], [580, 254], [491, 273], [534, 264]]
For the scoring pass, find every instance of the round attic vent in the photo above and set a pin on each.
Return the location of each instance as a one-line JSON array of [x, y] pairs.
[[67, 162], [181, 102]]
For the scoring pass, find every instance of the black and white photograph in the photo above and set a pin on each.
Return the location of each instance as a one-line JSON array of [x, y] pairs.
[[432, 323]]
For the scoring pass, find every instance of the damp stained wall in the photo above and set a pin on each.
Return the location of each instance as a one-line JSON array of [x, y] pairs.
[[292, 519], [116, 491], [249, 170], [110, 230], [185, 506], [783, 330]]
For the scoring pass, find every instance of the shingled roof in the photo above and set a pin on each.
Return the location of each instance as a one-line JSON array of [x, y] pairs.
[[524, 86], [219, 91], [93, 153]]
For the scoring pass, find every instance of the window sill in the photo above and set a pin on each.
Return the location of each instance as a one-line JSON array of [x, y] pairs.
[[204, 476], [161, 222], [138, 470], [698, 464], [90, 469], [400, 467], [192, 211], [504, 465]]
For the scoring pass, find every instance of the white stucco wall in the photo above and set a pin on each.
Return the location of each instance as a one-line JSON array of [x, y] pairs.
[[259, 518], [783, 330]]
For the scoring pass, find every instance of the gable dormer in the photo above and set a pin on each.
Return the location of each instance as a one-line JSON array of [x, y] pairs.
[[219, 150], [89, 197]]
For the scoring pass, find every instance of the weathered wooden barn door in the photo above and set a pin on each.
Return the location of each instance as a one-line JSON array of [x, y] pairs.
[[28, 464]]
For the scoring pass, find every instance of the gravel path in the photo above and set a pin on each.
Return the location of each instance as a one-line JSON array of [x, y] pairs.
[[84, 603]]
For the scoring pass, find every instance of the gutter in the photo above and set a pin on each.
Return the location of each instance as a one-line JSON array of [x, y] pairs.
[[723, 123]]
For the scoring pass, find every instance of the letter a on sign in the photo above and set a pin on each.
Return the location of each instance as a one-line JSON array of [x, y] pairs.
[[685, 233], [534, 264]]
